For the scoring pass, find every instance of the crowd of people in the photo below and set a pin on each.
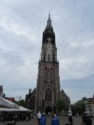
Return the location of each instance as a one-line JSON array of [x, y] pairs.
[[15, 116], [41, 118]]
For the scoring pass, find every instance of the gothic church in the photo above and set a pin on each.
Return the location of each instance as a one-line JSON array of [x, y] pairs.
[[47, 92]]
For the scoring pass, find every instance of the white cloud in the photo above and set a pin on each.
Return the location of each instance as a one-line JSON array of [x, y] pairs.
[[18, 29], [21, 26]]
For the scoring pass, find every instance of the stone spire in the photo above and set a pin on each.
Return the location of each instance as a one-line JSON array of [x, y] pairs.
[[49, 23], [48, 32]]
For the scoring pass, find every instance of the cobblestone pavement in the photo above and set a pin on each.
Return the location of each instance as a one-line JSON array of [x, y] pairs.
[[63, 121]]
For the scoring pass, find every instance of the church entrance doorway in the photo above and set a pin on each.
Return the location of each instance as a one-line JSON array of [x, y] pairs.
[[48, 109]]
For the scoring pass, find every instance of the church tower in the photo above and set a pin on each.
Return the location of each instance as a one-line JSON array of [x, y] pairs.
[[47, 92], [48, 80]]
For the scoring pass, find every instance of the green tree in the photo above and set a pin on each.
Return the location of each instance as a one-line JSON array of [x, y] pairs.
[[78, 107], [22, 103], [61, 106]]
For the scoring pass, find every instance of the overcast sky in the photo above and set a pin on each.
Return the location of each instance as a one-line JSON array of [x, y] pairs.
[[22, 23]]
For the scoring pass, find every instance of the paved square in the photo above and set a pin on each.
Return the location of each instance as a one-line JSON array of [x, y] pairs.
[[63, 121]]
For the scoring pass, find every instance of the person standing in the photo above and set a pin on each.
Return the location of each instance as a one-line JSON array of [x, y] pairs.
[[70, 117], [55, 120], [86, 120], [70, 120], [38, 117], [43, 119]]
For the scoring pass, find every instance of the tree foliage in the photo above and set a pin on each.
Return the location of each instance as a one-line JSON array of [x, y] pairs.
[[22, 103], [61, 106], [78, 107]]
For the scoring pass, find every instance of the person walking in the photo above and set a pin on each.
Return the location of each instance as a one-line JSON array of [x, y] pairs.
[[70, 120], [43, 119], [38, 117], [55, 120], [70, 117]]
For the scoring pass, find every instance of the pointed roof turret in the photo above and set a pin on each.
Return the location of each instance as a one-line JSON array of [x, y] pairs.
[[48, 32], [49, 22]]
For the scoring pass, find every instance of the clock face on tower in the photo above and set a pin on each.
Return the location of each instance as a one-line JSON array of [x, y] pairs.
[[49, 39]]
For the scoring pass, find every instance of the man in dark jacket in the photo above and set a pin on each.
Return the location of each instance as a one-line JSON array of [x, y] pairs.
[[55, 120], [43, 119]]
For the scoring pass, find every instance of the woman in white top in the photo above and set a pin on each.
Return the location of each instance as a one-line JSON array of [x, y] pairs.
[[38, 117]]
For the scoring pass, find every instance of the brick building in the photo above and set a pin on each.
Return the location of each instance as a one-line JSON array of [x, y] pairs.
[[47, 92]]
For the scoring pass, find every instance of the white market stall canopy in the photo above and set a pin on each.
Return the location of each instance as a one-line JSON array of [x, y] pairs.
[[21, 109], [10, 106]]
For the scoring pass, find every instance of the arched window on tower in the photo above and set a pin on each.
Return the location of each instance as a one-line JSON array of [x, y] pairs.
[[48, 94], [45, 74], [53, 57], [48, 75], [51, 74], [48, 58]]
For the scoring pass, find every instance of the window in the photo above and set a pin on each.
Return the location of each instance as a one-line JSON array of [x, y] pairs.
[[48, 94], [48, 58]]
